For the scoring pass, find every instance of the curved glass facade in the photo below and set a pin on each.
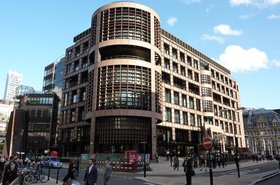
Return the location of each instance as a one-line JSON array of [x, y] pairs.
[[124, 86], [125, 23]]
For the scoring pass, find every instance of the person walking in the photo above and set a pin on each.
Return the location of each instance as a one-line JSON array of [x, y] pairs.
[[202, 163], [10, 171], [156, 157], [176, 163], [70, 173], [90, 177], [188, 169], [107, 172]]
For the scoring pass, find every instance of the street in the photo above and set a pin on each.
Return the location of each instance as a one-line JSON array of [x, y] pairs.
[[162, 173], [118, 178], [271, 181]]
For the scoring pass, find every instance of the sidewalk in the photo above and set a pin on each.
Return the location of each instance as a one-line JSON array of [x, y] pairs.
[[50, 182], [163, 174]]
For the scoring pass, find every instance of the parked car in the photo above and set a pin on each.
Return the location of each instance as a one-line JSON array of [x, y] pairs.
[[51, 162]]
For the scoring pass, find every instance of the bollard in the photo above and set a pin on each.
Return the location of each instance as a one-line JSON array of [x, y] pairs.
[[49, 172], [210, 168], [57, 174]]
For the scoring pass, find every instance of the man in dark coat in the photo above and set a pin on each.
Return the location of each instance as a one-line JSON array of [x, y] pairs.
[[188, 169], [91, 173]]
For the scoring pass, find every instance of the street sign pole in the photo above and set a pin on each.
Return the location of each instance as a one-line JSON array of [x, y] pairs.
[[208, 144]]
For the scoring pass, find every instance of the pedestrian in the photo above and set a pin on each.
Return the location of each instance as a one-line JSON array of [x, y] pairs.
[[176, 163], [167, 154], [70, 173], [219, 160], [223, 160], [107, 172], [171, 160], [156, 157], [10, 171], [188, 169], [202, 163], [77, 166], [90, 177]]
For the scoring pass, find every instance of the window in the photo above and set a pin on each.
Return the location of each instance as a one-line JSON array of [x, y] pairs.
[[198, 106], [166, 48], [190, 75], [176, 98], [168, 95], [196, 77], [74, 97], [174, 53], [184, 100], [73, 115], [168, 114], [185, 118], [177, 116], [205, 91], [222, 125], [183, 71], [192, 119], [199, 121], [205, 79], [226, 127], [191, 103], [207, 106], [182, 57], [175, 67], [166, 63], [195, 63], [166, 78], [189, 60]]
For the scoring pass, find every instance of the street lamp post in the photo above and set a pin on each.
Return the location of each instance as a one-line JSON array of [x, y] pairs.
[[21, 142], [144, 147], [235, 138]]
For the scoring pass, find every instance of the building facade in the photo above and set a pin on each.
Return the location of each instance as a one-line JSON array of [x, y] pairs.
[[5, 111], [130, 85], [32, 126], [53, 77], [14, 80], [262, 131]]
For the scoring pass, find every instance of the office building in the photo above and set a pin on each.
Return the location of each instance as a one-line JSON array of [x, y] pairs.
[[32, 125], [53, 77], [262, 131], [130, 85], [5, 111], [14, 79]]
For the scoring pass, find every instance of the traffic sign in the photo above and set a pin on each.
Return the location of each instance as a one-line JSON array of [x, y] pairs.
[[207, 142]]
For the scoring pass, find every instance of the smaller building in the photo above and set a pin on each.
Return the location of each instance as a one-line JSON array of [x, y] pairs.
[[53, 76], [262, 131], [6, 108], [32, 127], [14, 79]]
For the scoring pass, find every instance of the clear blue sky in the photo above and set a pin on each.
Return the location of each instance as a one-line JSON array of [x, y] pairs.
[[242, 35]]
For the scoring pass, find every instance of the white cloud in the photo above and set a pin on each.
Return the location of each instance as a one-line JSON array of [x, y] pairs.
[[226, 30], [276, 63], [171, 21], [273, 17], [246, 16], [238, 59], [192, 1], [272, 2], [258, 3], [213, 38], [240, 2]]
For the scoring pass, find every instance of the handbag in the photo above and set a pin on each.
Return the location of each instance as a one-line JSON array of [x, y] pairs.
[[68, 182], [193, 173]]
